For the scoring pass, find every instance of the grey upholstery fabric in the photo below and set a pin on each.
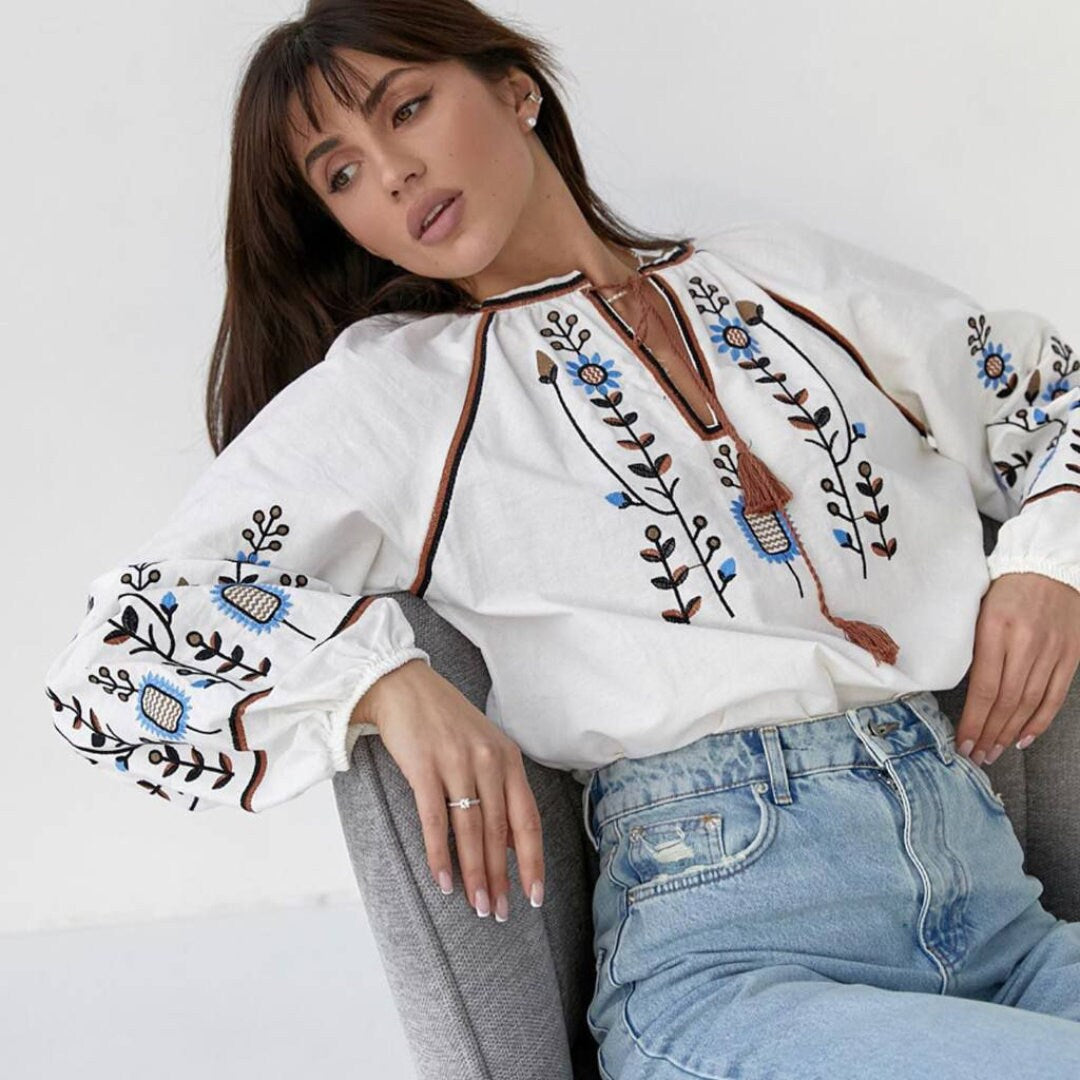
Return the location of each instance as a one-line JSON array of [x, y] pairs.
[[481, 1000]]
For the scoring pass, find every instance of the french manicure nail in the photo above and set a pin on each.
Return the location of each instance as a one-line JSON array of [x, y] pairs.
[[502, 908], [979, 757], [446, 883], [482, 907], [995, 752], [965, 747], [536, 896], [1025, 742]]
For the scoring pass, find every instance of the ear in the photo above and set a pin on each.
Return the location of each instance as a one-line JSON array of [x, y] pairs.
[[515, 85]]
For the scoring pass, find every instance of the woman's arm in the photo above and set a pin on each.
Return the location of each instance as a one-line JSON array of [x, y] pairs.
[[219, 664]]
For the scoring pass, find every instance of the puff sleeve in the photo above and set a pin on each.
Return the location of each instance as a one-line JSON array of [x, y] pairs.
[[219, 663], [997, 390]]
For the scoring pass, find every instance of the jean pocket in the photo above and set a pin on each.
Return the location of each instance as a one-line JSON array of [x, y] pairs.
[[982, 781], [693, 840]]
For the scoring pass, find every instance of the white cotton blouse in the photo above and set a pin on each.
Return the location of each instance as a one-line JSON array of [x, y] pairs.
[[530, 471]]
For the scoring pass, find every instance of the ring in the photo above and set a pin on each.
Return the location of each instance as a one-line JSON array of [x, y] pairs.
[[463, 803]]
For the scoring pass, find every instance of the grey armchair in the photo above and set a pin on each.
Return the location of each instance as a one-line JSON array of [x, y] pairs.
[[480, 1000]]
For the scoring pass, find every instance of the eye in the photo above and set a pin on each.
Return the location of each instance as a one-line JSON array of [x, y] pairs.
[[334, 186], [415, 101], [418, 101]]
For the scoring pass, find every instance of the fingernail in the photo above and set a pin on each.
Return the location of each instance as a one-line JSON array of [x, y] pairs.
[[1025, 742], [482, 907], [994, 754], [446, 882], [978, 757], [965, 747], [536, 896], [502, 908]]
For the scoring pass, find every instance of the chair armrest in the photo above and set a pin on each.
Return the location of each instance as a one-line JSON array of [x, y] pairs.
[[479, 1000]]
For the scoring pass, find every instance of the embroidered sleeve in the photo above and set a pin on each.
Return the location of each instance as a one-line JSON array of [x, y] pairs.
[[220, 663], [1027, 401], [997, 390]]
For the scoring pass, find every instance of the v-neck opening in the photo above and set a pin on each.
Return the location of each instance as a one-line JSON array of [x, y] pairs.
[[705, 430]]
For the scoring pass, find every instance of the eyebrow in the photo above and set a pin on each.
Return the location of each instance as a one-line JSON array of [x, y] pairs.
[[367, 107]]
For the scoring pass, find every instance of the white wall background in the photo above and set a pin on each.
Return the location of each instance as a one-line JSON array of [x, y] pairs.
[[942, 134]]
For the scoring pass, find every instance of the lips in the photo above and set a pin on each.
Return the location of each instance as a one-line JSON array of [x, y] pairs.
[[438, 213], [425, 206]]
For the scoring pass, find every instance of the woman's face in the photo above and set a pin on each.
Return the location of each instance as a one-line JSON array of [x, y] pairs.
[[436, 127]]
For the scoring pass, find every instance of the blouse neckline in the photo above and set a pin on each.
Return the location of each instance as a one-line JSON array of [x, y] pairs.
[[575, 280]]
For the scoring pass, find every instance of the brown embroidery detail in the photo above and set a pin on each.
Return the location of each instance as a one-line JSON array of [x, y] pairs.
[[830, 331], [573, 284], [1056, 489], [440, 510]]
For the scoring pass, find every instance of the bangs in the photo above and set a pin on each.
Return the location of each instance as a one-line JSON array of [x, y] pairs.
[[346, 83], [294, 70]]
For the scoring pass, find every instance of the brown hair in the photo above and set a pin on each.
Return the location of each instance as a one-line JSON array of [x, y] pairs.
[[294, 277]]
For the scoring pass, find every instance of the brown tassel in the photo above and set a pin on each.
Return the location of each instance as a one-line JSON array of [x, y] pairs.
[[868, 636], [763, 492]]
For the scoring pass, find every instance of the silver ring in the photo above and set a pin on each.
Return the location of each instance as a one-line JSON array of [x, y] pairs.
[[464, 804]]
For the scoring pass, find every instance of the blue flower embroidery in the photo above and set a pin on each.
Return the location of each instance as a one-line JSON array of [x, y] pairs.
[[1056, 389], [994, 365], [162, 707], [730, 335], [259, 607], [593, 374]]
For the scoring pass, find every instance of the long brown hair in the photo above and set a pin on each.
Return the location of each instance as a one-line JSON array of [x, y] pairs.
[[294, 277]]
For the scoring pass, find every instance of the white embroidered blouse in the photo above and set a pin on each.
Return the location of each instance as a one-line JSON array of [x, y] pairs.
[[634, 577]]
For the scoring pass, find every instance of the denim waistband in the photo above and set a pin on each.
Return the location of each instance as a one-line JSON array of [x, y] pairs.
[[771, 753]]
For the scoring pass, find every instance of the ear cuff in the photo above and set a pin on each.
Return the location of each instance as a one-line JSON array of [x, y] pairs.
[[531, 96]]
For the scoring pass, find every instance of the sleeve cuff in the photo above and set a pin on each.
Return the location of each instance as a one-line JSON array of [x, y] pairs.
[[1019, 564], [341, 734]]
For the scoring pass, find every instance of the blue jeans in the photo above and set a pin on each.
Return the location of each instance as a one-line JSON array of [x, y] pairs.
[[833, 899]]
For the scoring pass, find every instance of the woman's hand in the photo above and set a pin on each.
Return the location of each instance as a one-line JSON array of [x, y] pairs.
[[447, 748], [1027, 648]]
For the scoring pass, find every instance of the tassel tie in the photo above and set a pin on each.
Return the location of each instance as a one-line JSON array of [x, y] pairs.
[[763, 491]]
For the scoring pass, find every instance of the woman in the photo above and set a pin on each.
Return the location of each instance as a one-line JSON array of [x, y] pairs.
[[616, 462]]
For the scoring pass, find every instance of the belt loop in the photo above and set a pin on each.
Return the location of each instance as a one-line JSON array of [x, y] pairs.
[[924, 705], [774, 758]]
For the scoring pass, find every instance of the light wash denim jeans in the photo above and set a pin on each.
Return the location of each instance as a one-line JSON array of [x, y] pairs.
[[840, 898]]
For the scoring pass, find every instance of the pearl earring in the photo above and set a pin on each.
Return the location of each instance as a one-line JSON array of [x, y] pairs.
[[531, 121]]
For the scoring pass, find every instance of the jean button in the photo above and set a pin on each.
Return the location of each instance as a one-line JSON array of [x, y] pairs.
[[882, 729]]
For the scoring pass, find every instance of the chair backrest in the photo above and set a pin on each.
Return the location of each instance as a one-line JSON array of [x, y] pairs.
[[481, 1000]]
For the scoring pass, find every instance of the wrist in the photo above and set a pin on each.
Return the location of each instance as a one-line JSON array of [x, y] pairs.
[[368, 709]]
